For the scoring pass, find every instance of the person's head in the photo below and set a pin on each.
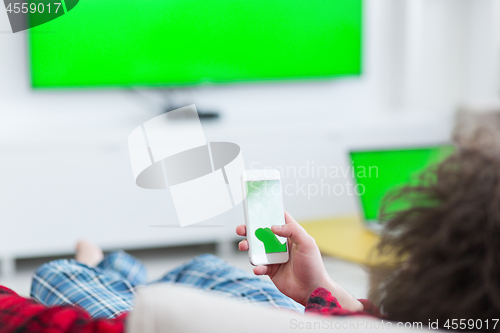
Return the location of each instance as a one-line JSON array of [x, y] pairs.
[[447, 244]]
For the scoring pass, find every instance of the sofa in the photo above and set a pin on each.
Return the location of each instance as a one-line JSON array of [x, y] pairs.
[[170, 308]]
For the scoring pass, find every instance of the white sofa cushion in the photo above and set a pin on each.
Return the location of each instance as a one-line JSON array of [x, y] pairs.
[[169, 308]]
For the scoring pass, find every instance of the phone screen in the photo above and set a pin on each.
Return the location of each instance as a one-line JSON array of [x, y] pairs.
[[265, 209]]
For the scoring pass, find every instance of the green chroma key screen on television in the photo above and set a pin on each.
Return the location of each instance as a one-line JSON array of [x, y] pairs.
[[125, 43], [379, 172]]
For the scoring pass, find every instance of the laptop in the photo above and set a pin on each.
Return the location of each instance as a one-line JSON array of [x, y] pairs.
[[376, 172]]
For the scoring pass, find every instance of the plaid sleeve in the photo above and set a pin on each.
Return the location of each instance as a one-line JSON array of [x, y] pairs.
[[19, 314], [323, 302]]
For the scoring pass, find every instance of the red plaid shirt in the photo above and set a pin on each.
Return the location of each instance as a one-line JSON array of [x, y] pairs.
[[322, 302], [19, 314]]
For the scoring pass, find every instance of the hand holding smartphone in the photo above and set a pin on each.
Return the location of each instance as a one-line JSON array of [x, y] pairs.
[[263, 206], [292, 260]]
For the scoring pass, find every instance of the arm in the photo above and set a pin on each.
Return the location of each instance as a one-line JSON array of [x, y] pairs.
[[19, 314], [305, 271]]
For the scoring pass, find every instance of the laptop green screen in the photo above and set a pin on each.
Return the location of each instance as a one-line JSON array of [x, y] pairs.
[[377, 172]]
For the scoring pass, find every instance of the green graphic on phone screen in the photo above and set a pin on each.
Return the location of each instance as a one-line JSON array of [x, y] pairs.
[[265, 209]]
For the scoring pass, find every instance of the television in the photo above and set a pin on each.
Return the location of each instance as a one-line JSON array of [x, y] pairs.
[[172, 43]]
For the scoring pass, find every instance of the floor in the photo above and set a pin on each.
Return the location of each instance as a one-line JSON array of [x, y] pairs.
[[351, 276]]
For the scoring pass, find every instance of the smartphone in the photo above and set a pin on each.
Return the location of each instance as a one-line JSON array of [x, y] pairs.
[[263, 206]]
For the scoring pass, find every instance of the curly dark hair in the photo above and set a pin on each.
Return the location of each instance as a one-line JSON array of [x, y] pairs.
[[446, 244]]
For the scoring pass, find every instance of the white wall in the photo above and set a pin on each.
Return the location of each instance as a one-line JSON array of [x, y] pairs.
[[439, 54]]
